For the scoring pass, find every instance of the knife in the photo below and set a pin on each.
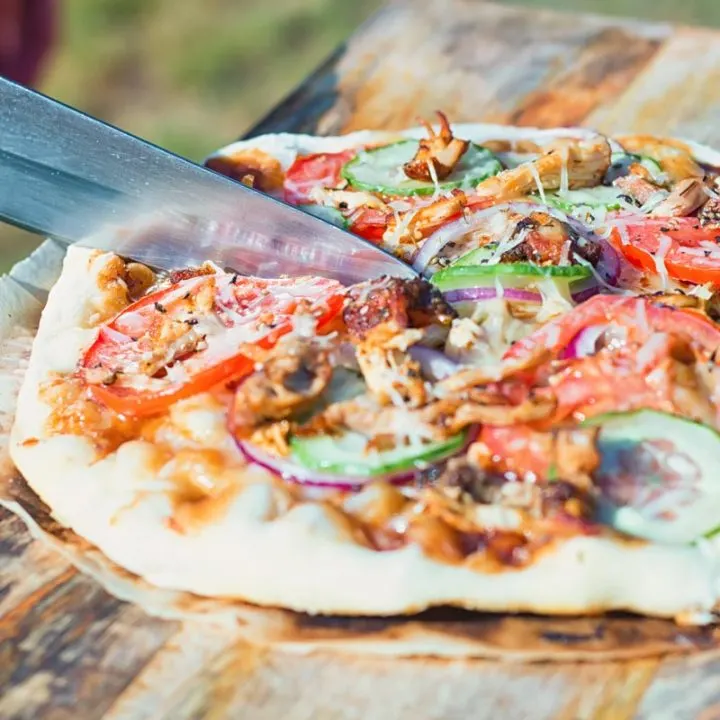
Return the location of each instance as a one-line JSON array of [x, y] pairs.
[[69, 176]]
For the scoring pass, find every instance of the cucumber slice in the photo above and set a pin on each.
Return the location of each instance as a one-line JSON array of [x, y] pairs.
[[464, 274], [346, 454], [329, 214], [610, 198], [658, 475], [381, 170]]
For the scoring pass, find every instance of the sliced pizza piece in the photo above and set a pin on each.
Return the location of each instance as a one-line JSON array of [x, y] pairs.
[[171, 496]]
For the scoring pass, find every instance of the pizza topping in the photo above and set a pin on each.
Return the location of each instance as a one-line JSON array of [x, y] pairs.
[[190, 336], [251, 167], [657, 475], [674, 157], [583, 163], [639, 189], [709, 215], [396, 304], [687, 196], [631, 165], [309, 172], [436, 156], [385, 169], [139, 279], [288, 382], [680, 248]]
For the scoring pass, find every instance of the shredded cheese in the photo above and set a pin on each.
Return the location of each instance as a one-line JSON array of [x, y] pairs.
[[563, 172], [434, 178], [704, 292], [555, 302], [565, 253], [538, 183], [507, 242], [653, 201], [664, 244]]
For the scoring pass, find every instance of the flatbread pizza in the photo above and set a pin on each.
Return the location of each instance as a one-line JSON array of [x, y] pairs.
[[529, 427]]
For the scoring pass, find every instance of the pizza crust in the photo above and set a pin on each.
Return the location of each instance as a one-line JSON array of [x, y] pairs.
[[261, 547]]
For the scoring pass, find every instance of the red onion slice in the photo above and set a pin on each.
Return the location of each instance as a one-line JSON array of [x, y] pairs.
[[479, 294], [488, 293], [288, 470], [584, 343], [453, 230]]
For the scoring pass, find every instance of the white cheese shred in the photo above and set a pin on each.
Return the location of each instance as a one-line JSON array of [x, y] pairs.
[[538, 182]]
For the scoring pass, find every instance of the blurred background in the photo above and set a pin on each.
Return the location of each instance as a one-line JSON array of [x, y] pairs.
[[193, 75]]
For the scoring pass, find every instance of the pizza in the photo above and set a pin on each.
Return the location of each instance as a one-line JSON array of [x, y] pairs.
[[531, 425]]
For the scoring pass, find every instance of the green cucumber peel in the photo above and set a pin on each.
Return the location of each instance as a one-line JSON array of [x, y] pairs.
[[345, 455], [509, 275], [665, 462]]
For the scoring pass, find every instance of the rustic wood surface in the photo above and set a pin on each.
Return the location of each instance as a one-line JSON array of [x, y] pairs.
[[70, 650]]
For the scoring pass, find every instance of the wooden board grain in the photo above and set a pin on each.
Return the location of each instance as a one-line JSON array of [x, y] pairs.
[[70, 650]]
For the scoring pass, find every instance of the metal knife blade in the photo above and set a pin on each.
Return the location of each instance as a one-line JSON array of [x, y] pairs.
[[72, 177]]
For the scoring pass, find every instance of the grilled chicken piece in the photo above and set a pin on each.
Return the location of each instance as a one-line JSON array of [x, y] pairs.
[[436, 421], [290, 380], [347, 199], [465, 485], [686, 197], [252, 167], [709, 216], [516, 146], [638, 188], [419, 224], [273, 438], [547, 241], [464, 478], [586, 161], [675, 158], [395, 303], [440, 153], [391, 375], [384, 318]]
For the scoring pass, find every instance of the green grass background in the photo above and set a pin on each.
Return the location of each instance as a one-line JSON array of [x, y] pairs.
[[192, 75]]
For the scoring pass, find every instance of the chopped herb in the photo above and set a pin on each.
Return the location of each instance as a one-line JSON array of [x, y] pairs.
[[160, 308]]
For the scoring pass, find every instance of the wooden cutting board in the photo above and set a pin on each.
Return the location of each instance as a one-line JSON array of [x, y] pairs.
[[70, 650]]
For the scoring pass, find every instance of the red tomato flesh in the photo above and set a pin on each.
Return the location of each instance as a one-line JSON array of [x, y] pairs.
[[311, 171], [147, 357], [688, 251]]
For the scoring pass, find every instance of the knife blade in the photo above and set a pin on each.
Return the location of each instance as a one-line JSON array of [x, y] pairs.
[[72, 177]]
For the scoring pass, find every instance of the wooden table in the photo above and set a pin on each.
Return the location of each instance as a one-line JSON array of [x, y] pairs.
[[70, 650]]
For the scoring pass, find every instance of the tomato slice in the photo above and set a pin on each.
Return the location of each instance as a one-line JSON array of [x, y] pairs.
[[370, 224], [194, 335], [518, 449], [311, 171], [634, 372], [639, 314], [688, 251]]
